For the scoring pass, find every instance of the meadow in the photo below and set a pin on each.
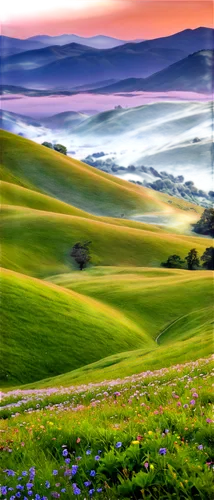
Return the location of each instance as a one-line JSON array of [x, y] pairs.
[[148, 436], [105, 373]]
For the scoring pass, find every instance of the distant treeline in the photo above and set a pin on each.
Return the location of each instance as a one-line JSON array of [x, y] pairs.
[[174, 185]]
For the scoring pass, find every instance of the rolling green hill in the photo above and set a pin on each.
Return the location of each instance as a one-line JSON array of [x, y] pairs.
[[57, 321], [47, 330], [39, 243]]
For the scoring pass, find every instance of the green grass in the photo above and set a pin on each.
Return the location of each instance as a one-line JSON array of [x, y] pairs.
[[47, 330], [38, 168], [39, 243], [126, 425]]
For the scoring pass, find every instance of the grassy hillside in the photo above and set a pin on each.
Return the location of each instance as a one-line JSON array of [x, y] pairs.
[[47, 330], [39, 242], [153, 301], [49, 202], [38, 168], [198, 156], [166, 118]]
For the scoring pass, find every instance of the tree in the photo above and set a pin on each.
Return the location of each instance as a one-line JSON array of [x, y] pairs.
[[173, 261], [208, 258], [81, 253], [192, 259], [47, 145], [60, 148], [206, 223]]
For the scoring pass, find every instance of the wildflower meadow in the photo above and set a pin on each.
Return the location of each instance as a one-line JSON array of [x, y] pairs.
[[146, 436]]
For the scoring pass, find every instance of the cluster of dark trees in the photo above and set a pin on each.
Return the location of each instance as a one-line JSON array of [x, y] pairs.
[[57, 147], [192, 260], [206, 223], [174, 185]]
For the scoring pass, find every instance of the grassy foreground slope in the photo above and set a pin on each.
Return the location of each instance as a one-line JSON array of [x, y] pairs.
[[38, 243], [47, 330]]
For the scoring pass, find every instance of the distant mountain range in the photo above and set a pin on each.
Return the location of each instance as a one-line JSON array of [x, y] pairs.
[[160, 64], [97, 42], [194, 73], [9, 46], [74, 64]]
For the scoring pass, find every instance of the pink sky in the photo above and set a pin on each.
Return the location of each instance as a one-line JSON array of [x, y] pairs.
[[126, 19]]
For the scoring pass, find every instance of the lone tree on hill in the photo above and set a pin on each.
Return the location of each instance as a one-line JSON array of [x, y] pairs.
[[48, 144], [208, 258], [81, 254], [192, 259], [173, 261], [60, 148], [206, 223]]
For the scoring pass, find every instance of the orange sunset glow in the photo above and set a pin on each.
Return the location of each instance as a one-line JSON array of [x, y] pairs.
[[125, 19]]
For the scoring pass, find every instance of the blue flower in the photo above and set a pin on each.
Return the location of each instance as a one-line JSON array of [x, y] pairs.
[[13, 498], [24, 473], [74, 469], [37, 497], [76, 490], [4, 490], [65, 453], [29, 486], [91, 491], [118, 445], [97, 457], [63, 490], [55, 472], [87, 483], [99, 490], [88, 452], [162, 451], [67, 460], [200, 447], [18, 495], [47, 484], [92, 473], [11, 472], [30, 493], [20, 487]]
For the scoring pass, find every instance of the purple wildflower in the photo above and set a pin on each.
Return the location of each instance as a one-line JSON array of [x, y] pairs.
[[47, 484], [88, 452], [91, 491], [76, 490], [200, 447], [92, 473], [74, 469], [162, 451], [29, 486], [99, 490], [118, 445], [55, 472], [87, 483], [192, 402], [97, 457], [4, 490], [65, 453], [67, 460]]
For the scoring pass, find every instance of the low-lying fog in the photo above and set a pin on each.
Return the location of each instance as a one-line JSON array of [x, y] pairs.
[[38, 107]]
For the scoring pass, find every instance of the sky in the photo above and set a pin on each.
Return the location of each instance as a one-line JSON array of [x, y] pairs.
[[124, 19]]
